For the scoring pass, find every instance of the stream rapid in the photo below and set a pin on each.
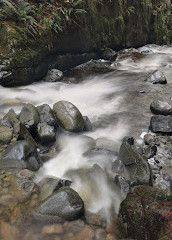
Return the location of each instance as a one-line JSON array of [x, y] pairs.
[[117, 104]]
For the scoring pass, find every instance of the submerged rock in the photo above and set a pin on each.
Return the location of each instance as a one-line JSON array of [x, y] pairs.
[[64, 205], [161, 124], [87, 124], [29, 116], [137, 166], [162, 108], [157, 77], [21, 154], [53, 75], [68, 116], [46, 133]]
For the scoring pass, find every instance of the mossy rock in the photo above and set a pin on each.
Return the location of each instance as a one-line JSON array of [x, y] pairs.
[[147, 213]]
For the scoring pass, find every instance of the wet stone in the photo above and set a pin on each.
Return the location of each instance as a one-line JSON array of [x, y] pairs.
[[159, 107], [64, 204], [161, 124], [68, 116], [157, 77]]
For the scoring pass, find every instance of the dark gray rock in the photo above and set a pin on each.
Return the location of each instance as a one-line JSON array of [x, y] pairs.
[[137, 166], [91, 67], [65, 205], [161, 124], [147, 52], [129, 140], [46, 115], [6, 134], [50, 185], [53, 75], [20, 154], [87, 124], [29, 116], [46, 133], [109, 54], [156, 77], [162, 108], [118, 166], [68, 116]]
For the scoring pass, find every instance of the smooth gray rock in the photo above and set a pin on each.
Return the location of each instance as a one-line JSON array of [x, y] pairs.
[[162, 108], [161, 124], [157, 77], [6, 134], [46, 114], [53, 75], [65, 204], [68, 116], [21, 154], [29, 116], [46, 133], [137, 166]]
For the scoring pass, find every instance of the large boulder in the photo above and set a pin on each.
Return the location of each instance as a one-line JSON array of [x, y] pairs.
[[46, 133], [68, 116], [46, 114], [6, 134], [20, 154], [53, 75], [161, 124], [147, 213], [29, 116], [162, 108], [64, 205], [137, 166], [156, 77]]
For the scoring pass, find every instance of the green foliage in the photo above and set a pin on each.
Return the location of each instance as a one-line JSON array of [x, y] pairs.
[[40, 17]]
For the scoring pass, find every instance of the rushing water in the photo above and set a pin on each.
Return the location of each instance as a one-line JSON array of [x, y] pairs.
[[117, 103]]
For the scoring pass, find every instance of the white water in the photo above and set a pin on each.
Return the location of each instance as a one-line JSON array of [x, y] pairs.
[[113, 104]]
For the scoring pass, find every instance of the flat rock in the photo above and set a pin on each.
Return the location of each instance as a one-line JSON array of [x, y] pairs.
[[68, 116], [161, 124]]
